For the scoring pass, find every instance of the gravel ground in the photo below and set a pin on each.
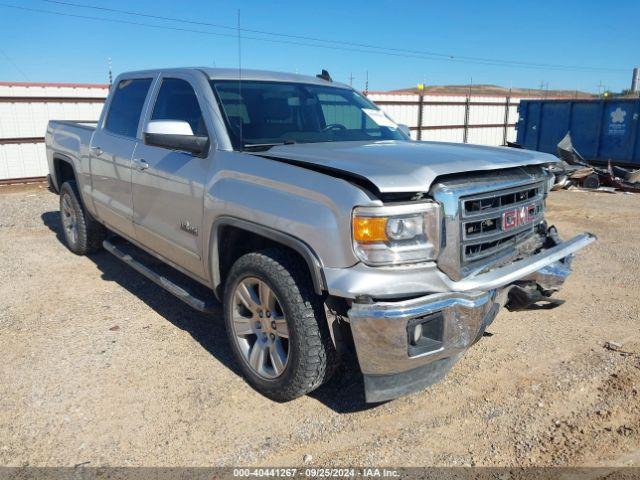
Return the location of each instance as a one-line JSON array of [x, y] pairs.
[[101, 366]]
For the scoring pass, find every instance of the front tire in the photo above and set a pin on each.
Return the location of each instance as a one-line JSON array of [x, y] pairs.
[[82, 232], [277, 326]]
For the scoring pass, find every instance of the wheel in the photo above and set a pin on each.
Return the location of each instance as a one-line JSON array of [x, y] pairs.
[[82, 232], [277, 326], [592, 181]]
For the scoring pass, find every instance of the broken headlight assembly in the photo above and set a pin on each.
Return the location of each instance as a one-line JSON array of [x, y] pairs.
[[396, 234]]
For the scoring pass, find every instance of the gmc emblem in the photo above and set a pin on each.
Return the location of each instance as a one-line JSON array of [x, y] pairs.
[[518, 217]]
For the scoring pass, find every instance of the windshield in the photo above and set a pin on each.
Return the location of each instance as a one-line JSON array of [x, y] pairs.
[[267, 113]]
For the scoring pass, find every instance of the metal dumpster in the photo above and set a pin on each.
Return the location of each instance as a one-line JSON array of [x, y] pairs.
[[601, 130]]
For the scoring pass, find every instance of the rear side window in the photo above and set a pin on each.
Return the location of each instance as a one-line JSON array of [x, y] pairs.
[[177, 101], [126, 106]]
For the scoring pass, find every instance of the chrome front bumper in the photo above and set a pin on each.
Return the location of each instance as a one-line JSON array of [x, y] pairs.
[[381, 331]]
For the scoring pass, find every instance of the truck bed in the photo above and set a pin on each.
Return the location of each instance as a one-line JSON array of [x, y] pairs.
[[70, 140], [63, 134]]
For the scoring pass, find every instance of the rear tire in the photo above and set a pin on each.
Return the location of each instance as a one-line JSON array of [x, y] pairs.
[[83, 233], [270, 305]]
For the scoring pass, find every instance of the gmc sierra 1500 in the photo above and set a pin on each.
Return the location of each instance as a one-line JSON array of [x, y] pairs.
[[313, 217]]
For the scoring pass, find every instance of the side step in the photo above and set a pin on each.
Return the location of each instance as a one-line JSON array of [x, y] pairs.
[[186, 289]]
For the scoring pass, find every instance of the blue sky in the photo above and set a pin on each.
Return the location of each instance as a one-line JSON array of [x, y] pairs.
[[591, 33]]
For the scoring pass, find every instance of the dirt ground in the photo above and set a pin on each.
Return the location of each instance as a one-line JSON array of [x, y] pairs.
[[100, 366]]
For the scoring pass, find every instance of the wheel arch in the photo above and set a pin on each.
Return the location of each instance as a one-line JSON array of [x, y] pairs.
[[227, 229], [63, 170]]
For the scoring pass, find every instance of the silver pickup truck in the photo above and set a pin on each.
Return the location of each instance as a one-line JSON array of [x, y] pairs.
[[314, 219]]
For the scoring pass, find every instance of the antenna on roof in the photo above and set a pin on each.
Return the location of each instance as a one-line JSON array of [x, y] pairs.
[[325, 76], [240, 80]]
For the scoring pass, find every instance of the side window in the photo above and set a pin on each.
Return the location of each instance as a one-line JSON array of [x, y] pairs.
[[126, 106], [177, 101]]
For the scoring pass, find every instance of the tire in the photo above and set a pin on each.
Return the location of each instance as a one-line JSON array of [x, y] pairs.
[[310, 354], [591, 181], [83, 234]]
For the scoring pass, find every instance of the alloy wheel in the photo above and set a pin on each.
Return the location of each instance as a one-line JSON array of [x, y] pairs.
[[260, 328], [69, 220]]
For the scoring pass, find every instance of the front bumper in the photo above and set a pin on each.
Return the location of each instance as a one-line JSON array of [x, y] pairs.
[[394, 364]]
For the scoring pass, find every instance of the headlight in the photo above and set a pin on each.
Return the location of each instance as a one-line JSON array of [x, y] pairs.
[[392, 235]]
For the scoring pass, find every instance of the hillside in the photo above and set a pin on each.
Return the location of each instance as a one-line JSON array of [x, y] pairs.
[[496, 90]]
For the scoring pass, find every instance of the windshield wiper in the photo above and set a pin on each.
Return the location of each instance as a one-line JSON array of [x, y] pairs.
[[266, 146]]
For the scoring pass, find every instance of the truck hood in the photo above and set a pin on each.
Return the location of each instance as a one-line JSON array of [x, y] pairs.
[[403, 166]]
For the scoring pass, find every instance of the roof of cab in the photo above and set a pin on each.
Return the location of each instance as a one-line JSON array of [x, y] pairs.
[[234, 74]]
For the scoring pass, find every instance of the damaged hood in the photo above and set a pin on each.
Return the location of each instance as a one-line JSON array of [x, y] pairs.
[[401, 166]]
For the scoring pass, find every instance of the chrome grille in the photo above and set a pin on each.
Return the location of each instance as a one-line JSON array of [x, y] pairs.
[[492, 222], [473, 205]]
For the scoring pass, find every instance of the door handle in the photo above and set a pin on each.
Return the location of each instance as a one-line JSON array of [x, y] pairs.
[[141, 164], [97, 151]]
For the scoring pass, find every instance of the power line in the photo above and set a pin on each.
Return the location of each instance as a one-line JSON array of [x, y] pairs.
[[423, 56], [204, 32], [127, 22], [427, 54], [14, 64], [189, 30], [263, 32]]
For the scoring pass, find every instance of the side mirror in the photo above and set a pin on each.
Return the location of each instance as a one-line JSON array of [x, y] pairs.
[[175, 135], [404, 129]]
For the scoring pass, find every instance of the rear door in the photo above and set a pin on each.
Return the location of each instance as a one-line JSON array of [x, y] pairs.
[[112, 147], [168, 186]]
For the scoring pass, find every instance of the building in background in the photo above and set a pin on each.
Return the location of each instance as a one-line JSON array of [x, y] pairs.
[[25, 109]]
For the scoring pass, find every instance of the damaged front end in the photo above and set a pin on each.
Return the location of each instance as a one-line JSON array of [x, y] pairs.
[[404, 346], [536, 289]]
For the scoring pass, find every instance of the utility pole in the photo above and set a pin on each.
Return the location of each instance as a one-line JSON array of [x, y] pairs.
[[351, 79], [635, 82], [600, 88], [420, 110], [505, 129], [366, 84], [110, 73], [467, 107], [544, 88]]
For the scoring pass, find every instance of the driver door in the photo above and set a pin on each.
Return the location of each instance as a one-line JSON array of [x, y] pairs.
[[168, 186]]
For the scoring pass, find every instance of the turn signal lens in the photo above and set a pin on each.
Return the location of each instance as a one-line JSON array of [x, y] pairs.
[[369, 229]]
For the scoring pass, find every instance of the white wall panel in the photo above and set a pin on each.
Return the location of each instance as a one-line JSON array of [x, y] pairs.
[[435, 115], [446, 135], [485, 136], [481, 114], [28, 119], [453, 115], [32, 160], [405, 114], [52, 90]]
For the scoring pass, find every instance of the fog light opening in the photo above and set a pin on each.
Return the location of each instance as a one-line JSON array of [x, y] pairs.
[[424, 334], [417, 334]]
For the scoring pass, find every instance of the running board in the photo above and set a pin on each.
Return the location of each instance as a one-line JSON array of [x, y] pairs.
[[182, 292]]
